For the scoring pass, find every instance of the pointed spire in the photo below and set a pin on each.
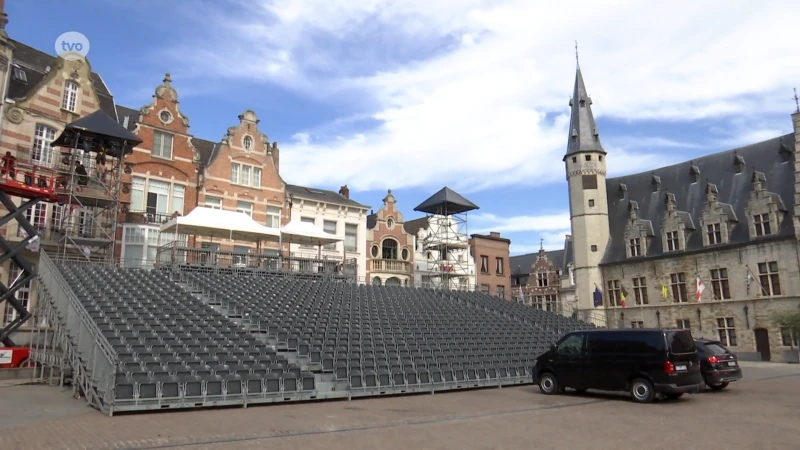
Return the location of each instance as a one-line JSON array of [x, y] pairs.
[[583, 136]]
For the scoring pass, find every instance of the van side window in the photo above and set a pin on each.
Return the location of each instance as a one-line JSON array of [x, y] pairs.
[[571, 345], [625, 342]]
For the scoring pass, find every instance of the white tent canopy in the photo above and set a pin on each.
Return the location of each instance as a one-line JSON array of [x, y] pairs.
[[217, 223], [304, 233]]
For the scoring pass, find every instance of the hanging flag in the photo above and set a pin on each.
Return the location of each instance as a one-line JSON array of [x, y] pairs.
[[750, 280], [521, 295], [623, 295], [700, 288], [598, 296], [664, 291]]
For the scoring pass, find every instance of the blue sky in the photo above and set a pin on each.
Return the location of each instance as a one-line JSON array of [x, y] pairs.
[[413, 95]]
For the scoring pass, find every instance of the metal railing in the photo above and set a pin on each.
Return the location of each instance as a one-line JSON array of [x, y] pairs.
[[148, 217], [93, 350], [180, 254]]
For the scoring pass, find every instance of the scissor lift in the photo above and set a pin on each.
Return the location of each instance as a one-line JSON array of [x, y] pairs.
[[33, 184]]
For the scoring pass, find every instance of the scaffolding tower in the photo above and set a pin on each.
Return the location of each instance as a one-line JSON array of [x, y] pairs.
[[447, 239], [32, 183], [90, 166]]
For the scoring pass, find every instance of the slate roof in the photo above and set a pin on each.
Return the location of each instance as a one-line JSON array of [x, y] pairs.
[[322, 195], [446, 201], [521, 264], [772, 157], [491, 238], [372, 220], [35, 64], [583, 129]]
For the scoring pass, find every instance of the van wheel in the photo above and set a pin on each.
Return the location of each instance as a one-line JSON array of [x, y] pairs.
[[642, 391], [548, 384], [718, 386]]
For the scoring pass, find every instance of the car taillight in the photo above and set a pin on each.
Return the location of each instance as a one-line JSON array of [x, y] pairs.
[[712, 359], [669, 368]]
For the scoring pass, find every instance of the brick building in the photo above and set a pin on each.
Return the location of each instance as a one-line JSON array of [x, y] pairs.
[[709, 244], [168, 174], [390, 256], [490, 253], [544, 279]]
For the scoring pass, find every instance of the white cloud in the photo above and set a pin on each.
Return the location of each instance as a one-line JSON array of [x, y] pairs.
[[550, 241], [487, 105], [485, 223]]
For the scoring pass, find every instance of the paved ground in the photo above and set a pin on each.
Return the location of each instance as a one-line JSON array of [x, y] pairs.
[[760, 412]]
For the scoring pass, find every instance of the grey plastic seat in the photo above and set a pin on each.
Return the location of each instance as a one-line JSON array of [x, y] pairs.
[[290, 382], [272, 383]]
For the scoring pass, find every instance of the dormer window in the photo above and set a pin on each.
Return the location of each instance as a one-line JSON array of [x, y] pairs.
[[714, 233], [635, 247], [761, 224], [70, 100], [673, 244]]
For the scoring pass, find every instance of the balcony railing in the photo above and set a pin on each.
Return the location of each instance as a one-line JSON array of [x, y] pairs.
[[147, 217], [181, 254], [94, 186], [390, 266]]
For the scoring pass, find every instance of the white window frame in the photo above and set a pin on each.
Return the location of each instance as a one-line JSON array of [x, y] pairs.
[[273, 217], [351, 247], [245, 175], [726, 329], [146, 237], [42, 152], [70, 99], [325, 223], [143, 186], [212, 202], [245, 207], [159, 144]]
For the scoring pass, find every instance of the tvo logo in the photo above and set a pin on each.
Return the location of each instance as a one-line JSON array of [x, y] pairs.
[[72, 46]]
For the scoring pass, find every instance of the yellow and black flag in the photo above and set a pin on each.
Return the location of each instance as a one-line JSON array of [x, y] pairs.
[[623, 295]]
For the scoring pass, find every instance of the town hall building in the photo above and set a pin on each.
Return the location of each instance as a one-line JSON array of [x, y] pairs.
[[709, 244]]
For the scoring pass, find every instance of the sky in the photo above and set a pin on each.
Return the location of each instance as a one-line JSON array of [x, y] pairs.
[[414, 95]]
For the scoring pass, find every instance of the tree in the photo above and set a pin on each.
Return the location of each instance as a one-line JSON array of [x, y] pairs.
[[788, 320]]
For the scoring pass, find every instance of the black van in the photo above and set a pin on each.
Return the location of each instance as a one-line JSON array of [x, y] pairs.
[[644, 362]]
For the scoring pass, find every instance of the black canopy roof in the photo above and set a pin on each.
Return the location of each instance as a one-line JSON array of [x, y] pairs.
[[96, 132], [446, 202]]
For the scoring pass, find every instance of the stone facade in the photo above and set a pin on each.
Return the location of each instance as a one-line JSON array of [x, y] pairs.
[[666, 249], [492, 263], [390, 249]]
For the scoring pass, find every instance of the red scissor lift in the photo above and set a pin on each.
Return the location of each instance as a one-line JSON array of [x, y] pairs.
[[33, 184]]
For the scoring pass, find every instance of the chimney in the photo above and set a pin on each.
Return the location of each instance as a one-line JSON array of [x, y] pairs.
[[494, 234], [344, 191]]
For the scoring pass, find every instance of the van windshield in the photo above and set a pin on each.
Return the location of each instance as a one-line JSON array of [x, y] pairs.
[[681, 341]]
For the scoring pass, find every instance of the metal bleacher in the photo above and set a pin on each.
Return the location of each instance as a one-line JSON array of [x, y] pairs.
[[139, 339]]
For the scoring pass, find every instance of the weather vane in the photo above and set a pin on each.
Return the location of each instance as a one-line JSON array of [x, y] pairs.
[[796, 100], [541, 244]]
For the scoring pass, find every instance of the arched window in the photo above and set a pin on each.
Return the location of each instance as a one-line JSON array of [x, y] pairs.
[[376, 281], [394, 281], [389, 248]]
